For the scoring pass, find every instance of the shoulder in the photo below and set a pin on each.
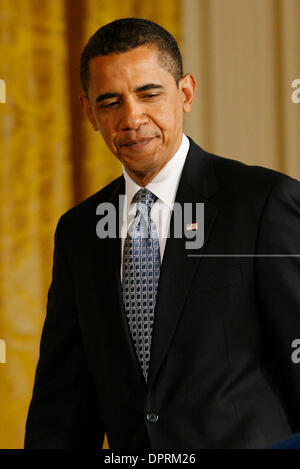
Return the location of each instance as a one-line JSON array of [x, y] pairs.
[[235, 176], [85, 211]]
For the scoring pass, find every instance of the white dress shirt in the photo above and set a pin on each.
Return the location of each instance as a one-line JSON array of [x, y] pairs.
[[164, 185]]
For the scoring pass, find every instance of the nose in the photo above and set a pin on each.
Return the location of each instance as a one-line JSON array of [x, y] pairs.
[[133, 115]]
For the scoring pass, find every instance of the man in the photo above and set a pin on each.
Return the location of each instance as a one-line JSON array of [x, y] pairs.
[[159, 342]]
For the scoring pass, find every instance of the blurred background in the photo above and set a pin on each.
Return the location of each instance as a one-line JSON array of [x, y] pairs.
[[245, 55]]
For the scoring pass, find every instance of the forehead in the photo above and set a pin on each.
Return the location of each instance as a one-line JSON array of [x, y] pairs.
[[132, 68]]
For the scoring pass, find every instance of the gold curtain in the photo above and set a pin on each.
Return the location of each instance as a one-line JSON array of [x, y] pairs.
[[245, 54], [50, 159], [35, 187]]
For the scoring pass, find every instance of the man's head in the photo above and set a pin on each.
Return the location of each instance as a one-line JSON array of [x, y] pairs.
[[135, 93], [126, 34]]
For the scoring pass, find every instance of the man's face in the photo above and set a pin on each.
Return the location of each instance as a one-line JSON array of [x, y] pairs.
[[137, 106]]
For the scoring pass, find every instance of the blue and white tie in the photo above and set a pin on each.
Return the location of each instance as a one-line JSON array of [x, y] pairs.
[[140, 276]]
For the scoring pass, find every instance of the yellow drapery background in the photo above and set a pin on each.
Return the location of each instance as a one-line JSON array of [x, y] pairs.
[[50, 160], [245, 54]]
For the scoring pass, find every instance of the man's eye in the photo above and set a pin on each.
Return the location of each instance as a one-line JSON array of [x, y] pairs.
[[109, 105], [152, 95]]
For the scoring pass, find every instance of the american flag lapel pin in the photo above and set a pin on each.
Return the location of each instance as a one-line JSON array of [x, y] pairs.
[[192, 227]]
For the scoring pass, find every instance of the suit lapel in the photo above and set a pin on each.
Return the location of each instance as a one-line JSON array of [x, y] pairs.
[[197, 184]]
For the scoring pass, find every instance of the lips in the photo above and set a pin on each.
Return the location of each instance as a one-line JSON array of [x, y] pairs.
[[136, 143]]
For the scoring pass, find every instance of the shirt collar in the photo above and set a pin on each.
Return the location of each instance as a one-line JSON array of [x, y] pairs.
[[164, 185]]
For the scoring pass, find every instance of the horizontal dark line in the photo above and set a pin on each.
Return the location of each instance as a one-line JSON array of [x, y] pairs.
[[243, 255]]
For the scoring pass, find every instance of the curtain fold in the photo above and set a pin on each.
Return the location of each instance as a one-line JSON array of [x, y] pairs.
[[245, 55], [35, 187]]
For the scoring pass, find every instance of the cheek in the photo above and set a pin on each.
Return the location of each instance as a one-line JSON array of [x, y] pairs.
[[107, 130], [169, 124], [168, 116], [163, 118]]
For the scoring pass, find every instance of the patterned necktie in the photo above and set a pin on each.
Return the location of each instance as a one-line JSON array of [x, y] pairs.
[[141, 268]]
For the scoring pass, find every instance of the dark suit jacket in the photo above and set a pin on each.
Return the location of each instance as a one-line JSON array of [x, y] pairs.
[[221, 373]]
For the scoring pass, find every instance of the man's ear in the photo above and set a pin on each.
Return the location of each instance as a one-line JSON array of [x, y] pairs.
[[86, 108], [187, 86]]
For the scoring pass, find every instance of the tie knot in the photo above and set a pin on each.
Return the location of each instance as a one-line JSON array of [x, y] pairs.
[[145, 198]]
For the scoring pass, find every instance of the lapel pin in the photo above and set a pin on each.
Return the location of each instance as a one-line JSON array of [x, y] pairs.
[[192, 227]]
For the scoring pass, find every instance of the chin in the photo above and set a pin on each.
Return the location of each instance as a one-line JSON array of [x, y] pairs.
[[148, 161], [142, 170], [141, 162]]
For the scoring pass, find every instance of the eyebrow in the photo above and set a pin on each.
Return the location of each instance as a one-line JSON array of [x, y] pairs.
[[103, 97], [150, 86], [140, 89]]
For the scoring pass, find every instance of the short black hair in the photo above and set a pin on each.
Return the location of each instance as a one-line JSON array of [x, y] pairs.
[[126, 34]]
